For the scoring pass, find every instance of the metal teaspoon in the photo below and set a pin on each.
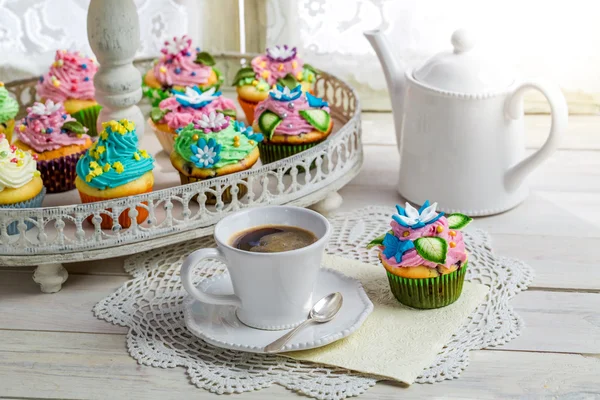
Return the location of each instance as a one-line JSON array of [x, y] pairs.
[[324, 310]]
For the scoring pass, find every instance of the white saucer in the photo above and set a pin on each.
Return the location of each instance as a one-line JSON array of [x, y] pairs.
[[219, 326]]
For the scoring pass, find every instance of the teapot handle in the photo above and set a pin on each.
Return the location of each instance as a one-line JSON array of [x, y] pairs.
[[560, 115]]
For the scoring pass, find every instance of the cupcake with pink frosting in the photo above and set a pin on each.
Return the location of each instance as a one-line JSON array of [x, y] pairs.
[[57, 140], [424, 255], [181, 65], [174, 113], [70, 81], [280, 65], [291, 121]]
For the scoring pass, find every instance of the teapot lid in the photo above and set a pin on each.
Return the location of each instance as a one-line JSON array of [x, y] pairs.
[[463, 70]]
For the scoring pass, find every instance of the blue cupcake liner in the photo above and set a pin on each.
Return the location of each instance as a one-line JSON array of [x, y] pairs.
[[35, 202]]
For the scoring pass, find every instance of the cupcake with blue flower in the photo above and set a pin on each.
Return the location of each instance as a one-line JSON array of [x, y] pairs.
[[279, 65], [424, 256], [215, 145], [291, 121], [185, 106]]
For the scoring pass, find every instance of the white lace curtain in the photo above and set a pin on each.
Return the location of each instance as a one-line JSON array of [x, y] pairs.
[[31, 31], [556, 40]]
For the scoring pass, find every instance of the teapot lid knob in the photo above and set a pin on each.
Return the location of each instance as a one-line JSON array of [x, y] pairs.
[[462, 41]]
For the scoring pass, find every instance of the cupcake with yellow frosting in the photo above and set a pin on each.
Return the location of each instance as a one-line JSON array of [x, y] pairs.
[[20, 182], [215, 146], [180, 66], [424, 256], [70, 80], [114, 167], [280, 65], [57, 139], [8, 111]]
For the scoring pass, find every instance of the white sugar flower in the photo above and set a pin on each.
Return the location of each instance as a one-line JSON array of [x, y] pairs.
[[177, 45], [206, 156], [193, 96], [422, 216], [278, 93], [281, 53], [214, 120], [45, 109]]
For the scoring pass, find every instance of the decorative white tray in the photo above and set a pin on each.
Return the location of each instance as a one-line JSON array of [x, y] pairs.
[[60, 232]]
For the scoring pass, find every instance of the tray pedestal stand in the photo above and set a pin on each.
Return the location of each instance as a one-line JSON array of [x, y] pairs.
[[114, 36]]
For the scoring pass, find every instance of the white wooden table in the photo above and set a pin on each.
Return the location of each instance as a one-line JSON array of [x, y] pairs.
[[51, 346]]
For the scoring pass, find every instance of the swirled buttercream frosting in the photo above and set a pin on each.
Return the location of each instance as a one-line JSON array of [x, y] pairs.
[[17, 167], [114, 160]]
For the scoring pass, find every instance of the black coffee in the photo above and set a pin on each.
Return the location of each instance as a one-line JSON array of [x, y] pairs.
[[273, 239]]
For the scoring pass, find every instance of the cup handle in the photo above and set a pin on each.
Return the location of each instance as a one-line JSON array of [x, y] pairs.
[[560, 116], [186, 278]]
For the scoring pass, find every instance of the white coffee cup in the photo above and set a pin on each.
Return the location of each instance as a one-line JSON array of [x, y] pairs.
[[271, 290]]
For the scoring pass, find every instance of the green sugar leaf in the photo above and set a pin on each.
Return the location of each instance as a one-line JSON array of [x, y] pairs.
[[311, 68], [157, 114], [378, 241], [289, 80], [268, 122], [319, 119], [73, 126], [431, 248], [458, 221], [229, 112], [205, 59], [244, 73]]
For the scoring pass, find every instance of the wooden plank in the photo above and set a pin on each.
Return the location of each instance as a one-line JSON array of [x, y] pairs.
[[61, 365], [581, 134], [558, 322], [255, 16], [565, 171], [220, 32], [23, 306], [538, 215]]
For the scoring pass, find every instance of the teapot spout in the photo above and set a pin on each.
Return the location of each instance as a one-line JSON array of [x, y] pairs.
[[394, 73]]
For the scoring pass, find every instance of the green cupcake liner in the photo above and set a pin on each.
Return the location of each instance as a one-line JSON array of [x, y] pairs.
[[274, 152], [88, 118], [35, 202], [211, 199], [428, 293]]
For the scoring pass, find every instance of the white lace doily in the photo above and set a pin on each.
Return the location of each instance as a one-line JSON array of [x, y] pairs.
[[151, 306]]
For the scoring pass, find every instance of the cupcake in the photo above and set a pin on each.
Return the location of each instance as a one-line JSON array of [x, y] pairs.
[[57, 139], [184, 107], [424, 256], [214, 146], [70, 80], [8, 111], [280, 65], [20, 182], [114, 167], [291, 121], [180, 66]]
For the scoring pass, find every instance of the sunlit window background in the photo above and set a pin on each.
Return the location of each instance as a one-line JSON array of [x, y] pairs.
[[537, 38]]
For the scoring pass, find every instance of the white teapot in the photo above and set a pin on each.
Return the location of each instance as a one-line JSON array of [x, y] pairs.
[[460, 129]]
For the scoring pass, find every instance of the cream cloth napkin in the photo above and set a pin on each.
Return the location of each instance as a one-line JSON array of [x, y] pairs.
[[395, 342]]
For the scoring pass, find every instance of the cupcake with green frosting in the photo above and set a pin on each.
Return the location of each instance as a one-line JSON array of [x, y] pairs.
[[213, 146], [115, 167], [8, 111]]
